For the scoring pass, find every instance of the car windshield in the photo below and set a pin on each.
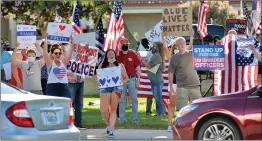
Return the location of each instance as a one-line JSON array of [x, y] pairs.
[[8, 89]]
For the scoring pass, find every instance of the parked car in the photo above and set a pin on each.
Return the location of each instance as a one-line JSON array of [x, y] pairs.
[[235, 116], [215, 33], [27, 116]]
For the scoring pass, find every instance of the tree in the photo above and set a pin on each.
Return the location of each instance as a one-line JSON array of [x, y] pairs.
[[220, 11], [39, 13]]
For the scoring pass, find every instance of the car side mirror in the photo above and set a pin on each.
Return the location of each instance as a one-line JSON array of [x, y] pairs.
[[259, 90]]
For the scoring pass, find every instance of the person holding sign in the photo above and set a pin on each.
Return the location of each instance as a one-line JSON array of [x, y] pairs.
[[108, 96], [57, 83], [181, 64], [5, 58], [31, 69], [256, 53], [156, 67]]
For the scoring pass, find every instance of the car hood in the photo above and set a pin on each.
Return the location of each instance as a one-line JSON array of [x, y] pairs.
[[236, 95]]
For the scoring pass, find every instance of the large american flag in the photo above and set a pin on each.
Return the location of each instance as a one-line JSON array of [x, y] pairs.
[[144, 89], [201, 22], [115, 30], [100, 39], [236, 77], [76, 26]]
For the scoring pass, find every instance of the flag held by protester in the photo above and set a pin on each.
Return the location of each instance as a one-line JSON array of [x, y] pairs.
[[115, 29], [237, 76], [100, 39], [201, 22], [76, 26]]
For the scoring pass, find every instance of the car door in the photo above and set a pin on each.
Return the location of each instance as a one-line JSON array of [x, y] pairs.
[[253, 116]]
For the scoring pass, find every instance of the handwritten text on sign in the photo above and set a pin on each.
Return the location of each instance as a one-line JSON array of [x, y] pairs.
[[155, 35], [59, 32], [83, 61], [109, 77], [177, 21], [209, 58], [26, 36]]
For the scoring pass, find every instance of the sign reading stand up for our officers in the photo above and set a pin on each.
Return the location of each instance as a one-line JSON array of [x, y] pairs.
[[177, 21], [209, 58]]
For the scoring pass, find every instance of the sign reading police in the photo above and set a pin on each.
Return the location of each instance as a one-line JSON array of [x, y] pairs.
[[236, 24], [209, 58], [26, 36], [84, 58], [59, 32]]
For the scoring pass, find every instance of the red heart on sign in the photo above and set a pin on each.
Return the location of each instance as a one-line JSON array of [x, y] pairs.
[[62, 27]]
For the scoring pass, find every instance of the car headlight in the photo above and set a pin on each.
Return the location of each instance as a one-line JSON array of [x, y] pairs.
[[185, 110]]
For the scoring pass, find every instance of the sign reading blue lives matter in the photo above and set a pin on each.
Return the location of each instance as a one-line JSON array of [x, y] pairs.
[[209, 58], [26, 36], [59, 32], [109, 77]]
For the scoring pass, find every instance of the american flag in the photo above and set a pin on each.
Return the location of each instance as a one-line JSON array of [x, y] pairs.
[[59, 72], [144, 89], [100, 39], [234, 78], [244, 55], [254, 22], [115, 30], [201, 22], [76, 26]]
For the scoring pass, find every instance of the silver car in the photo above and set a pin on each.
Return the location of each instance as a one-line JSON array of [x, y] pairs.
[[27, 116]]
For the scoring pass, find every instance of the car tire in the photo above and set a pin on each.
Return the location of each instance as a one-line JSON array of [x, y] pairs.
[[220, 123]]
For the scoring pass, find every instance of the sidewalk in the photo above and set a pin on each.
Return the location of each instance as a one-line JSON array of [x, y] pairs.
[[127, 134]]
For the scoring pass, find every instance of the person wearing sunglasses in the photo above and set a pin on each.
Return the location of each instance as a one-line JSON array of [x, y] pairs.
[[57, 83], [31, 69]]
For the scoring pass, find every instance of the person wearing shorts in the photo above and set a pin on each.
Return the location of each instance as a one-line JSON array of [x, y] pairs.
[[188, 84], [108, 96]]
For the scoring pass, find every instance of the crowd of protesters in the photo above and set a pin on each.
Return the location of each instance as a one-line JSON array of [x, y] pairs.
[[48, 75]]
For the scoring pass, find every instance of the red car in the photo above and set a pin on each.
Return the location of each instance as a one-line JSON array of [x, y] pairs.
[[235, 116]]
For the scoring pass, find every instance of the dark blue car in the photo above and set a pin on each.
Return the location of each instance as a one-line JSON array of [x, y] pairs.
[[215, 32]]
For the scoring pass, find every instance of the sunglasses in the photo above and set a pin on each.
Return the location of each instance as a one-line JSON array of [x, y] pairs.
[[56, 53]]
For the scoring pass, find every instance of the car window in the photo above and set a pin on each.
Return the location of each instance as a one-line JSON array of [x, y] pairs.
[[7, 89], [256, 93]]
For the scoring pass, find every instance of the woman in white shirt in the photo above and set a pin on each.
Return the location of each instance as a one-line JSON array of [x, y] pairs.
[[57, 84]]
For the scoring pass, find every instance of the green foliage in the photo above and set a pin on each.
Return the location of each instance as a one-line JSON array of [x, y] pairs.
[[220, 11], [40, 13]]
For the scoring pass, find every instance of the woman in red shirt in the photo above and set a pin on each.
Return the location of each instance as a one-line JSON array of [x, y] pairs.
[[17, 77]]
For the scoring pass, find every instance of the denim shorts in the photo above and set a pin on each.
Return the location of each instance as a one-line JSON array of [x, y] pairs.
[[111, 90]]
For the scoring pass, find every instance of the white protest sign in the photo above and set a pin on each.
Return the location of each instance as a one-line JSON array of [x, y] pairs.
[[7, 69], [26, 36], [59, 32], [86, 38], [109, 77], [155, 35], [84, 58]]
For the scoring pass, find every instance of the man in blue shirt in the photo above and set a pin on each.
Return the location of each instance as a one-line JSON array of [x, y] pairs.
[[5, 58]]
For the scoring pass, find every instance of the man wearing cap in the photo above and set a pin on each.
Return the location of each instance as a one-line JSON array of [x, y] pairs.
[[31, 70], [131, 62]]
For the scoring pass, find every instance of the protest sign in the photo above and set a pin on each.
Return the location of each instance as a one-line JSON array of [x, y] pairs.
[[109, 77], [155, 35], [209, 58], [59, 32], [26, 36], [87, 38], [177, 21], [84, 58], [236, 24], [7, 69]]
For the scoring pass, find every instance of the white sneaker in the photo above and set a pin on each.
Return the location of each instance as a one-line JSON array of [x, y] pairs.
[[169, 128], [107, 129]]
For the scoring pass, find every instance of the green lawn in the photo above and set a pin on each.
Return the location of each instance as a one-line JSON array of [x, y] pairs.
[[93, 119]]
